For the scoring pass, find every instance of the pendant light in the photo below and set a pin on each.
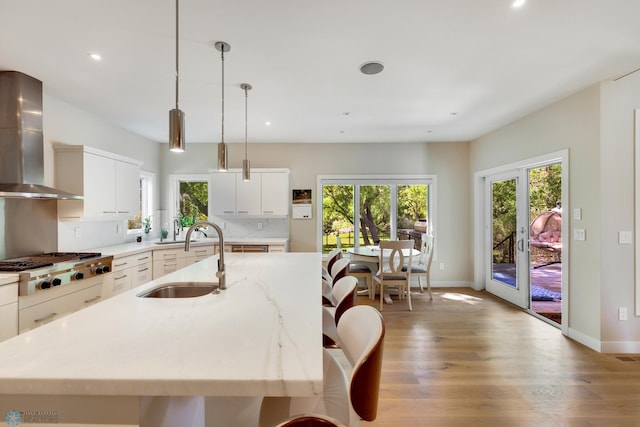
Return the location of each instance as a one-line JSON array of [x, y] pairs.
[[246, 166], [176, 116], [222, 47]]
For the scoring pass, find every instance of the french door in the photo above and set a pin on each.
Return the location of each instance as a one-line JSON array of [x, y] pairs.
[[507, 229]]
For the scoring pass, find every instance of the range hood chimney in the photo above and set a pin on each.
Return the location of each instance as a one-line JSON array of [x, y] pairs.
[[21, 141]]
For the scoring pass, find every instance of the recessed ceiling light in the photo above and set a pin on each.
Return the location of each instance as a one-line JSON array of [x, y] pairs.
[[267, 123], [515, 4], [346, 113], [372, 67], [94, 56]]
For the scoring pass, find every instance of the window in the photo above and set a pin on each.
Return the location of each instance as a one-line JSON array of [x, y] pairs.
[[190, 196], [147, 185], [386, 208]]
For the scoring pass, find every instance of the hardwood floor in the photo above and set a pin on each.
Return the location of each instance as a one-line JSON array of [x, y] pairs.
[[469, 359]]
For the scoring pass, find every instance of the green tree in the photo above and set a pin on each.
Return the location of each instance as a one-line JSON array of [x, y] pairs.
[[545, 188], [194, 202]]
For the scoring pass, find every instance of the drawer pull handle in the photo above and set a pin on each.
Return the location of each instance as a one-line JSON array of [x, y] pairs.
[[92, 299], [120, 265], [140, 259], [144, 269], [52, 315], [121, 277]]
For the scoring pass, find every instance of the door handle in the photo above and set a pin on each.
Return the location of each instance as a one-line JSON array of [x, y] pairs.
[[521, 245]]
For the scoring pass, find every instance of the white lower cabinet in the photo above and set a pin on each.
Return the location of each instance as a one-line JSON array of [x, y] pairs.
[[128, 272], [277, 248], [167, 261], [8, 311], [43, 307]]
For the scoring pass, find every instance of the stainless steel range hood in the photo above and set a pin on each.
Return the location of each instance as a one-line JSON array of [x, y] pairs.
[[21, 141]]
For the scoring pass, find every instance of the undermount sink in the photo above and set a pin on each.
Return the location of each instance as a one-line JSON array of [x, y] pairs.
[[181, 290]]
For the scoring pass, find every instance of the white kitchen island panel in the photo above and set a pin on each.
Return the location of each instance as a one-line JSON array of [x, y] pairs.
[[260, 337]]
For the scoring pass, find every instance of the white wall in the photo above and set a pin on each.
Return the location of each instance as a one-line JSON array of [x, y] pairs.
[[67, 124], [600, 181], [619, 99], [306, 161]]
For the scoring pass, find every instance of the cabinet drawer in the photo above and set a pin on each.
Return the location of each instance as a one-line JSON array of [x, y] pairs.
[[144, 273], [45, 312], [202, 252], [121, 264], [8, 320], [8, 293]]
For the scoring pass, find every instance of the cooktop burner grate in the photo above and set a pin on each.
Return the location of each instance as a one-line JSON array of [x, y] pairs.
[[22, 265]]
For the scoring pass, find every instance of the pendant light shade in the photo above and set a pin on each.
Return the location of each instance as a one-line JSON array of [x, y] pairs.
[[246, 165], [176, 116], [222, 47], [176, 130]]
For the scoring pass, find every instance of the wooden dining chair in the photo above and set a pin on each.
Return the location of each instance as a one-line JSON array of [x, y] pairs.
[[392, 271], [423, 266]]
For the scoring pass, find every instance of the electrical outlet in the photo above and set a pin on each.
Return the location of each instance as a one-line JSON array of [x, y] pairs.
[[579, 234], [625, 237], [442, 266], [119, 228], [76, 232], [259, 226], [622, 313], [577, 214]]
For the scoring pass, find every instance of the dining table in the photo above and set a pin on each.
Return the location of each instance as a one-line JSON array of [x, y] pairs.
[[370, 256]]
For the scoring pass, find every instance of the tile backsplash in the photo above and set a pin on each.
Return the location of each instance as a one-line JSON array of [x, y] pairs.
[[82, 235]]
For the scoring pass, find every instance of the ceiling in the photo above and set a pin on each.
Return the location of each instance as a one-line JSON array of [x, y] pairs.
[[454, 70]]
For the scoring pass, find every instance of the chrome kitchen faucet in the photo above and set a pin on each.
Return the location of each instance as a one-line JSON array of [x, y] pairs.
[[221, 269]]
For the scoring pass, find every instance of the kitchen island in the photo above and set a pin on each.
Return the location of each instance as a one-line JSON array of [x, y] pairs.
[[260, 337]]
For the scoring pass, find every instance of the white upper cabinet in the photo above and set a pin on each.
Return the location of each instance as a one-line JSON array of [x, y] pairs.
[[248, 195], [266, 194], [222, 193], [109, 183], [275, 193]]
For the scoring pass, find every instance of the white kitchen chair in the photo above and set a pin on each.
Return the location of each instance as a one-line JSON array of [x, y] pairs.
[[344, 398], [332, 257], [340, 269], [423, 267], [344, 293], [395, 268]]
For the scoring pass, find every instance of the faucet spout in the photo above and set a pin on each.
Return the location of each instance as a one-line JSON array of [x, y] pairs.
[[221, 273], [176, 228]]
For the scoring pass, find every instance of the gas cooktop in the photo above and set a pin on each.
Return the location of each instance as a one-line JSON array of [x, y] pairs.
[[43, 260]]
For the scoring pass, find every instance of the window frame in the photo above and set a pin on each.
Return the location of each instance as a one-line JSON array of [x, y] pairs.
[[147, 190], [174, 190], [393, 180]]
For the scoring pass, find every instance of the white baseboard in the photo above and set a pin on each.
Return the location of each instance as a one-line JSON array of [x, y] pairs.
[[622, 347], [586, 340]]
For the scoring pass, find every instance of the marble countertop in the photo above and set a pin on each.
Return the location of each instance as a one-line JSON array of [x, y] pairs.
[[261, 336], [133, 248]]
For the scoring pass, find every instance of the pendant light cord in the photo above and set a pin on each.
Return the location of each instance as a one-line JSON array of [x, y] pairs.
[[222, 56], [246, 96], [177, 43]]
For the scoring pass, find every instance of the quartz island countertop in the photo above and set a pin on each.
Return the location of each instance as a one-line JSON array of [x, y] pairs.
[[261, 336]]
